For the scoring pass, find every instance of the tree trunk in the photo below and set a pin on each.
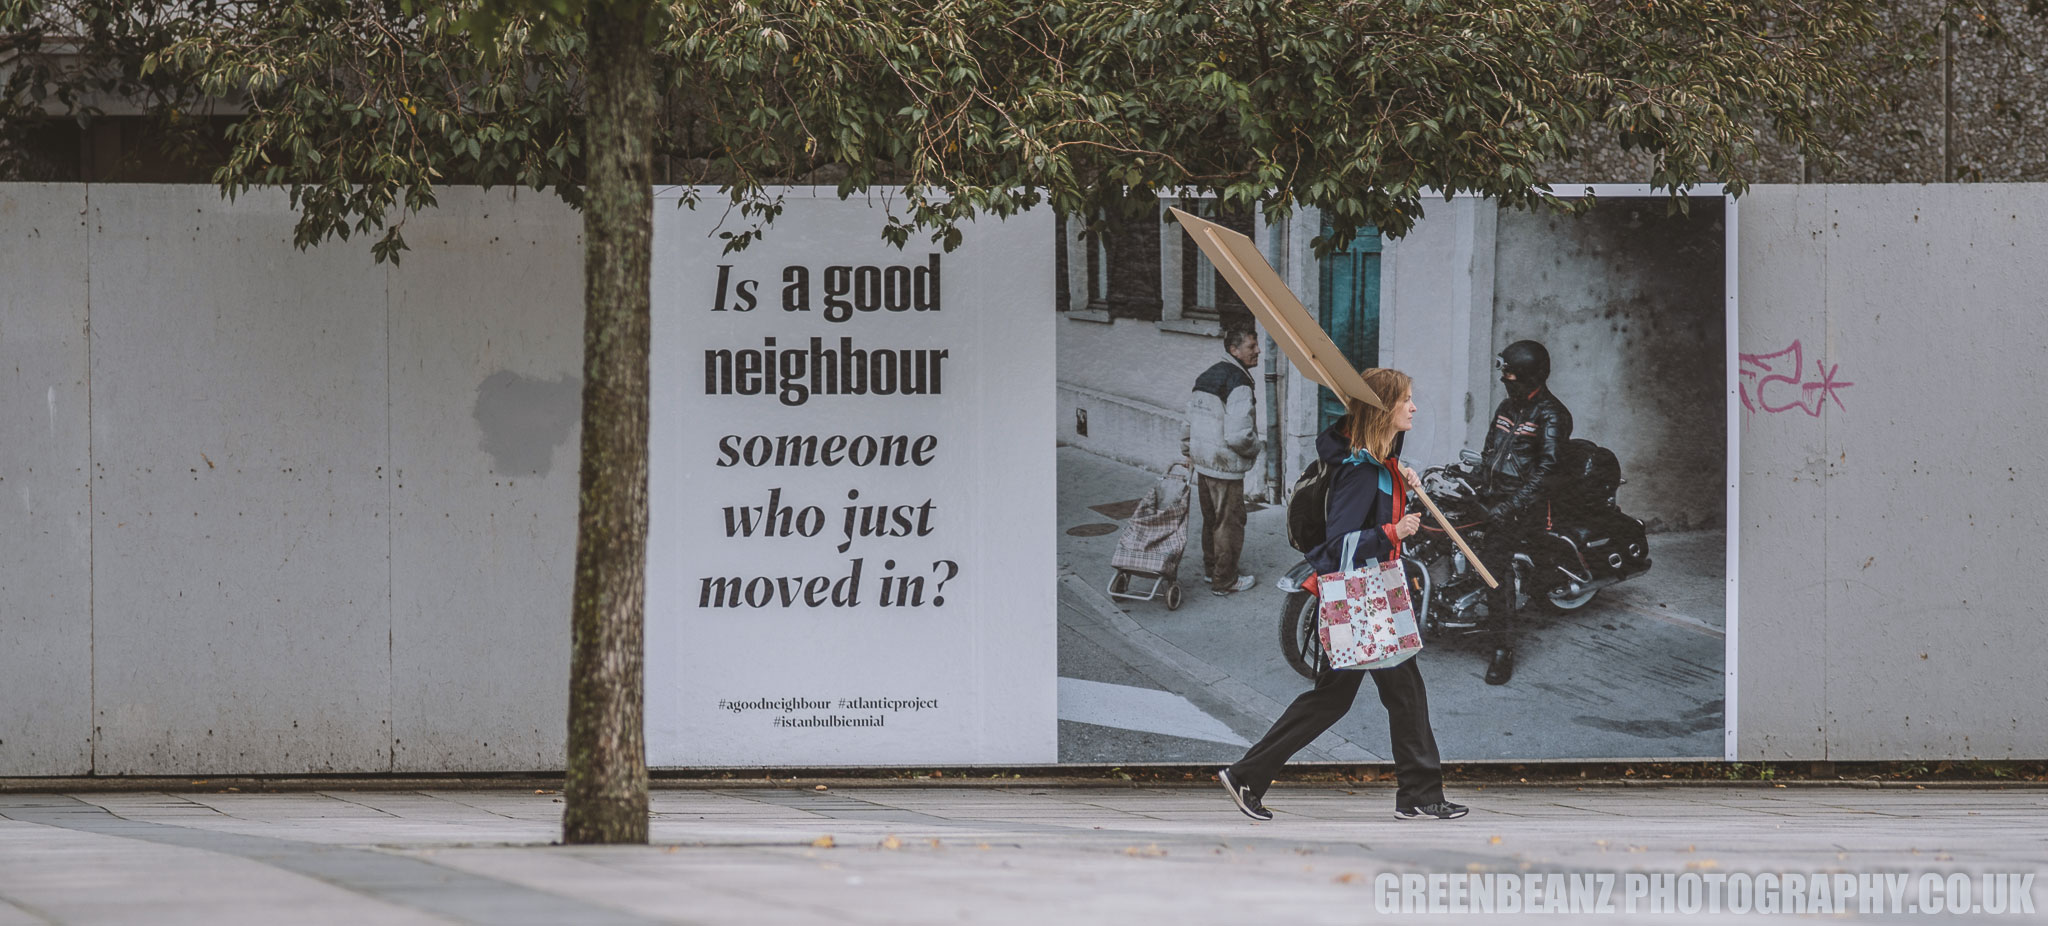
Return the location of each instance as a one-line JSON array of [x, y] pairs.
[[606, 791]]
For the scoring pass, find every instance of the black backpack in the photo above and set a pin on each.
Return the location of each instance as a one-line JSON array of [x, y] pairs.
[[1588, 472], [1308, 508]]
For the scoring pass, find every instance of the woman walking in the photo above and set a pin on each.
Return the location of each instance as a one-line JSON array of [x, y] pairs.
[[1367, 496]]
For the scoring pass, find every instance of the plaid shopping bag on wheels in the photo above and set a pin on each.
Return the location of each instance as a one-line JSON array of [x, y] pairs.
[[1152, 540], [1365, 620]]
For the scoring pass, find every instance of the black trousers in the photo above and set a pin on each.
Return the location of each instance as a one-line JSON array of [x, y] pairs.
[[1416, 765], [1497, 551]]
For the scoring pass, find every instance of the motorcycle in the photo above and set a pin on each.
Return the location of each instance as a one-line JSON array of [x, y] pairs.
[[1587, 544]]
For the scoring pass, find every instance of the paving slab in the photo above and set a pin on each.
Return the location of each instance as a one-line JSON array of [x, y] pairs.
[[52, 874], [910, 855]]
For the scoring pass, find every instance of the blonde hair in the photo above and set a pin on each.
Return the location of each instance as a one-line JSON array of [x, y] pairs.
[[1372, 429]]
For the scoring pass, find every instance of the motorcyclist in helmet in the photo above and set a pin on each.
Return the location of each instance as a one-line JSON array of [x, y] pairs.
[[1517, 476]]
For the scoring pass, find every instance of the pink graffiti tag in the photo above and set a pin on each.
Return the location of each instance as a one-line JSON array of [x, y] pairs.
[[1759, 372]]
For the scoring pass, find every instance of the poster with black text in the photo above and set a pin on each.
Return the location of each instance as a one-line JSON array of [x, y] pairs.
[[849, 492]]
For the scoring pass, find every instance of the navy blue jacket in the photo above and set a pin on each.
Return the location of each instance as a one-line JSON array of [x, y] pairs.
[[1357, 501]]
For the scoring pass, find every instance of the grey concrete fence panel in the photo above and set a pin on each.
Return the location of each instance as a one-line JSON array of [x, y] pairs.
[[292, 511]]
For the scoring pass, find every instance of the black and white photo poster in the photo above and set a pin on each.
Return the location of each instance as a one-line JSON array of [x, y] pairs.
[[1599, 472], [850, 496]]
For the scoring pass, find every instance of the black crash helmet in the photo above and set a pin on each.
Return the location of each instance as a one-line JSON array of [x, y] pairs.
[[1528, 361]]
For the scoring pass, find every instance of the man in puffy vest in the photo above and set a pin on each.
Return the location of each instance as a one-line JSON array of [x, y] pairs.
[[1518, 474], [1222, 440]]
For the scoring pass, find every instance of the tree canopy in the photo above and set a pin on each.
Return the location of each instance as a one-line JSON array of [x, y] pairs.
[[1362, 108]]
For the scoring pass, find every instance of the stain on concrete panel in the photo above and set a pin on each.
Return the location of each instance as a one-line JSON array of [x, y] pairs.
[[45, 551], [486, 339], [1931, 525], [524, 419], [240, 548], [1782, 639]]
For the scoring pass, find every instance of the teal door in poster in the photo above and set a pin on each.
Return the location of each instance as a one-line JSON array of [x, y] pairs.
[[1348, 305]]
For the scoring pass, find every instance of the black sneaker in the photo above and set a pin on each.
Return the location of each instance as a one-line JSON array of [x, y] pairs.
[[1442, 810], [1243, 797]]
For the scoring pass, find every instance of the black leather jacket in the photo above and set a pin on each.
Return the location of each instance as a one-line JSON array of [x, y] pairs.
[[1520, 467]]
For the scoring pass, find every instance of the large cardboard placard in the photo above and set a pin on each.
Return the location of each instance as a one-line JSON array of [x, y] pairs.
[[1298, 334], [1305, 342]]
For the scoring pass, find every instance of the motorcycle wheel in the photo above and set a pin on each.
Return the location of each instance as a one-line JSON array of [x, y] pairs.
[[1568, 603], [1299, 642]]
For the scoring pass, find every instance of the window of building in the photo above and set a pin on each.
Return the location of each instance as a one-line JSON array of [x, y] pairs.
[[1198, 278], [1199, 300], [1083, 271], [1098, 271]]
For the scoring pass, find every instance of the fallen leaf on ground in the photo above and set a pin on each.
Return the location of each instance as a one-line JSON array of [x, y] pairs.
[[892, 843], [1347, 877], [1150, 851], [819, 788], [822, 842], [1494, 841]]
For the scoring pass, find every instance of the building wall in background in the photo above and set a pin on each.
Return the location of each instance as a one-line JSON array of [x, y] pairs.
[[1966, 107], [1638, 348]]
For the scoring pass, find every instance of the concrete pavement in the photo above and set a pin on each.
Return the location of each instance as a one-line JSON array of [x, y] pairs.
[[1025, 854]]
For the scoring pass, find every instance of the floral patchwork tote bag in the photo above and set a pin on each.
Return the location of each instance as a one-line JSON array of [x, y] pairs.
[[1366, 620]]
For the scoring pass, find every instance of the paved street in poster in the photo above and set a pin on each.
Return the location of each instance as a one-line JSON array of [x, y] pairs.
[[1022, 853], [1635, 674]]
